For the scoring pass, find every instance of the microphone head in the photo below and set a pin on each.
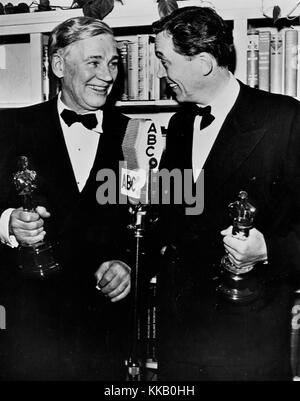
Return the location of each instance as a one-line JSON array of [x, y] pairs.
[[142, 147], [142, 144]]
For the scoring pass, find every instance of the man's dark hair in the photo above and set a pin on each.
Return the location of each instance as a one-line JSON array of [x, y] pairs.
[[198, 29]]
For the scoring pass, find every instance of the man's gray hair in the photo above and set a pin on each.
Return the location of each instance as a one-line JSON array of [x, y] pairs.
[[74, 29]]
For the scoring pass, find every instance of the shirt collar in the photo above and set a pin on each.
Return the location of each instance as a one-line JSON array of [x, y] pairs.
[[99, 113], [225, 100]]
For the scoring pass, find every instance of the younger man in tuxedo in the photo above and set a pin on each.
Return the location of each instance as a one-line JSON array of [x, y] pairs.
[[245, 140], [62, 327]]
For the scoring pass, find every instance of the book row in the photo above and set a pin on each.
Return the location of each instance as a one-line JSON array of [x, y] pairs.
[[273, 60], [139, 69]]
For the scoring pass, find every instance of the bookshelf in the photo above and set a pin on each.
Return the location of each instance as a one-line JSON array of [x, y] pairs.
[[273, 56], [136, 16]]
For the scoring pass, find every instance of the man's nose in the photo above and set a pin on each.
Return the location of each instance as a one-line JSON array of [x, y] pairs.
[[161, 71], [104, 73]]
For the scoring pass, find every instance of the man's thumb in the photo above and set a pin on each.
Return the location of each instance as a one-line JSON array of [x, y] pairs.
[[42, 211], [227, 231]]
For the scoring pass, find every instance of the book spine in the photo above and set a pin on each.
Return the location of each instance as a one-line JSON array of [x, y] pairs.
[[290, 62], [156, 79], [123, 46], [276, 63], [133, 70], [152, 72], [143, 67], [252, 58], [264, 60]]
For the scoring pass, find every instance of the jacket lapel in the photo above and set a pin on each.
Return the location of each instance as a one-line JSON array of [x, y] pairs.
[[179, 151], [58, 162], [237, 138]]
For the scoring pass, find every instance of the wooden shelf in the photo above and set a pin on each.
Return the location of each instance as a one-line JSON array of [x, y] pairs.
[[36, 22], [142, 106], [133, 15], [137, 13], [139, 103]]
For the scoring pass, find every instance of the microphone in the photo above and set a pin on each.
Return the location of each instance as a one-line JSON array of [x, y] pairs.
[[142, 146], [142, 149]]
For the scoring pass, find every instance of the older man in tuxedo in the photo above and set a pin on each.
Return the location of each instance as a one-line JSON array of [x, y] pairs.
[[61, 327], [245, 140]]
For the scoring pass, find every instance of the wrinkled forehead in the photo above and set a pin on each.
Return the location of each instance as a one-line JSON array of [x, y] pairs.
[[99, 45]]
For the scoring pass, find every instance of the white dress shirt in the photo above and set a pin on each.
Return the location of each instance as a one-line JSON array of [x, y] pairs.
[[82, 145], [204, 139]]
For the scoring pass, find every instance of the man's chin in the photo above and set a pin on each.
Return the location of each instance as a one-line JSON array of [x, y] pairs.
[[178, 95], [97, 103], [179, 98]]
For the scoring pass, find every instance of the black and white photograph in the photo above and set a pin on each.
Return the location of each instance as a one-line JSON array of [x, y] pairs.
[[149, 194]]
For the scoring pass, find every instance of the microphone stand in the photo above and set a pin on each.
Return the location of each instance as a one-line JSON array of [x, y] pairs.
[[134, 365], [142, 148]]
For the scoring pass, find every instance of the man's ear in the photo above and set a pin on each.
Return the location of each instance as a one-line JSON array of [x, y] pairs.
[[58, 64], [207, 63]]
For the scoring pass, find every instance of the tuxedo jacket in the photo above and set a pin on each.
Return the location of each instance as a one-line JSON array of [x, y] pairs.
[[36, 132], [257, 150], [83, 234]]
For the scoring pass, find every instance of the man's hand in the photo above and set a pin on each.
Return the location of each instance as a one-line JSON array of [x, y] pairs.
[[28, 227], [113, 279], [245, 252]]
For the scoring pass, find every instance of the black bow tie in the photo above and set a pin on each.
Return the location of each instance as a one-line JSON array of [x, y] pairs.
[[88, 120], [207, 117]]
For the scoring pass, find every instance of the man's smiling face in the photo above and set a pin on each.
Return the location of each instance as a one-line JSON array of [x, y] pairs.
[[182, 72], [90, 67]]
